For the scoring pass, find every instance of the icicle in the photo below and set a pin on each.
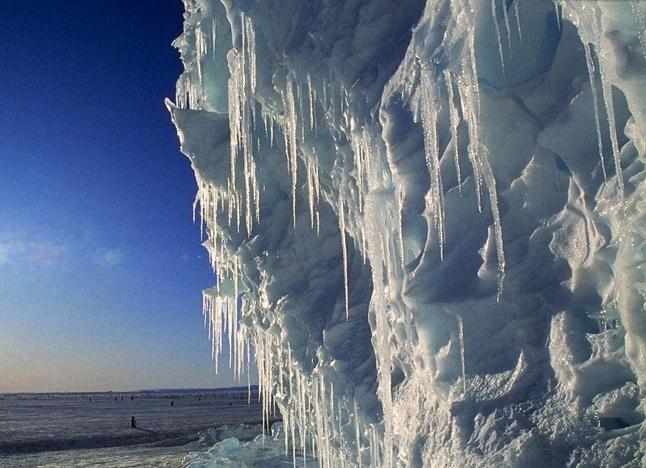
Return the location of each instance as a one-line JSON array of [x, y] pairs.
[[291, 141], [494, 14], [454, 118], [250, 53], [196, 200], [317, 423], [606, 88], [213, 35], [517, 15], [281, 382], [248, 370], [241, 88], [382, 346], [325, 421], [497, 224], [595, 102], [505, 14], [312, 101], [357, 433], [300, 402], [198, 48], [271, 134], [429, 115], [610, 111], [557, 13], [317, 191], [326, 101], [344, 248], [286, 424], [470, 102], [310, 191], [339, 428], [293, 429], [400, 229], [462, 360]]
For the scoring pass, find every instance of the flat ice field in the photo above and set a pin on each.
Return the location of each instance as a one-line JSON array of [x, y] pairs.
[[115, 457], [83, 430]]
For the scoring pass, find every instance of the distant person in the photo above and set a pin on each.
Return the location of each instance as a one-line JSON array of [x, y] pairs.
[[172, 403], [133, 422]]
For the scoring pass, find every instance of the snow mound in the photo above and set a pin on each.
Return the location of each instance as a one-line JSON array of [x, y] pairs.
[[428, 223]]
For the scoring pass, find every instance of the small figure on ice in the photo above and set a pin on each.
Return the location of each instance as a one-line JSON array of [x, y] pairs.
[[133, 422]]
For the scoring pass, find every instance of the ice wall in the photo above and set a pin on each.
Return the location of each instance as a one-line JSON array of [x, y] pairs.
[[427, 220]]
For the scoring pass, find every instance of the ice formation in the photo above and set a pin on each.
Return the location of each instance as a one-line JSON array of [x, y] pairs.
[[262, 451], [427, 219]]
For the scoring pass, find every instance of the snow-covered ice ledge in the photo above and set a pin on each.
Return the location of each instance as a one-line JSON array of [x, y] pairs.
[[428, 222]]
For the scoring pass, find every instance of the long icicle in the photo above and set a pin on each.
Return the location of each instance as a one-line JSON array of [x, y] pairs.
[[606, 88], [430, 107], [589, 60], [494, 14], [454, 118], [344, 248]]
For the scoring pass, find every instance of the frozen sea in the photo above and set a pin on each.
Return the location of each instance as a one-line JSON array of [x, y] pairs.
[[93, 430]]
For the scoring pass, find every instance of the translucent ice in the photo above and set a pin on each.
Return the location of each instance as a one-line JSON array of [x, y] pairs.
[[427, 223]]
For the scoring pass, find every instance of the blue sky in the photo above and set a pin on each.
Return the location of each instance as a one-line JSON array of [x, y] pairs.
[[101, 268]]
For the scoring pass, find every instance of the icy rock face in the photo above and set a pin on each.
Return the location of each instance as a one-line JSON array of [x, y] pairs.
[[428, 222]]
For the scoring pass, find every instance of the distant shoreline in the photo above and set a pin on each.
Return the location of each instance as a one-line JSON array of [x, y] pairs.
[[155, 391]]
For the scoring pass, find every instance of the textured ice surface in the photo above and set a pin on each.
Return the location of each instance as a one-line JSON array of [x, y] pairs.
[[263, 451], [428, 220]]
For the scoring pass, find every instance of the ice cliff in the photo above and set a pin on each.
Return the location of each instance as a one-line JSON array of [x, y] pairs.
[[428, 223]]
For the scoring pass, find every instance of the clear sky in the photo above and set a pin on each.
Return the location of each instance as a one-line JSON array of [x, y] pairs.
[[101, 268]]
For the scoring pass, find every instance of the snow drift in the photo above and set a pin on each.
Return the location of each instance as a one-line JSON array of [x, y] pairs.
[[428, 222]]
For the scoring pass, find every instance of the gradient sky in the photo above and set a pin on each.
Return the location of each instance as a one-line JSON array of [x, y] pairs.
[[101, 268]]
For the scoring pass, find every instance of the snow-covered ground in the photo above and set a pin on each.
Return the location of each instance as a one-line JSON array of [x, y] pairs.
[[116, 457], [84, 430]]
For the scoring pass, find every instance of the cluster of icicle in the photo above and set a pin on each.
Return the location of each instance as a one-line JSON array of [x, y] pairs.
[[316, 424], [586, 16], [313, 426]]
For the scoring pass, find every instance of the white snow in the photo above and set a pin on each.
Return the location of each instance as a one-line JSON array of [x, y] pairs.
[[417, 227]]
